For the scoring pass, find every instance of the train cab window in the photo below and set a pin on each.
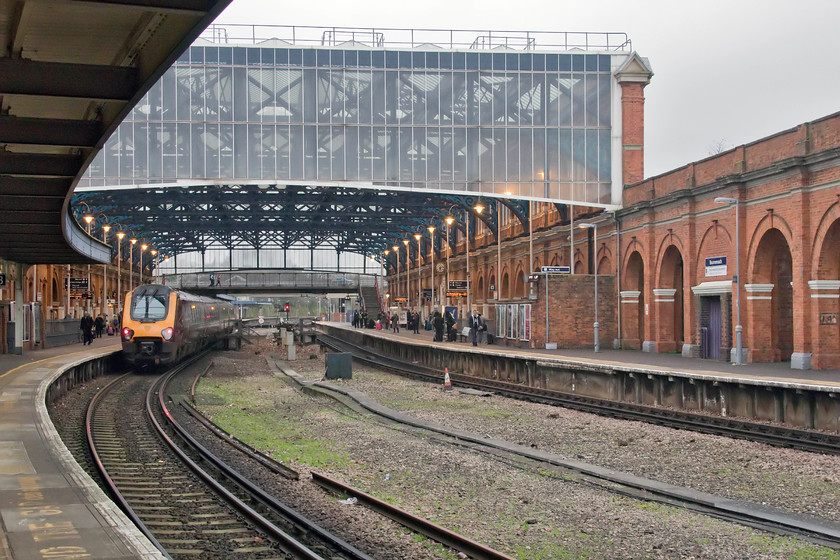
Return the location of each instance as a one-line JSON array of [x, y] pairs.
[[148, 306]]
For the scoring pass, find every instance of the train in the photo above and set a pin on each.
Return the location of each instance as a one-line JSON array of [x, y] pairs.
[[161, 326]]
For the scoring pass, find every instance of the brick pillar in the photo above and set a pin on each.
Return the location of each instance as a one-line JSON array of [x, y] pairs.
[[630, 335], [759, 310], [633, 75], [825, 318], [663, 300]]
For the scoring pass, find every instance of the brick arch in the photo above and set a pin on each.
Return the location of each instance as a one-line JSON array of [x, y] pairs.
[[481, 294], [504, 286], [767, 223], [537, 265], [717, 240], [579, 260], [633, 324], [670, 324], [518, 282], [634, 245], [669, 242], [826, 248], [605, 261], [555, 260], [770, 311]]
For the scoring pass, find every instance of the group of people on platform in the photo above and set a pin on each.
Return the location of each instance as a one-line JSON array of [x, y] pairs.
[[94, 328], [443, 324]]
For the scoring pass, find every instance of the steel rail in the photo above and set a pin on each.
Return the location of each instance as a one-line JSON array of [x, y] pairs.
[[435, 532], [804, 440], [103, 472], [255, 491], [744, 513]]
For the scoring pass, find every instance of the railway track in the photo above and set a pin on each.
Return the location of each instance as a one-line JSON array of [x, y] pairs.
[[819, 531], [187, 510], [779, 436]]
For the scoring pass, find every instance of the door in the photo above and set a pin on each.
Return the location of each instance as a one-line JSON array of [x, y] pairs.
[[714, 328]]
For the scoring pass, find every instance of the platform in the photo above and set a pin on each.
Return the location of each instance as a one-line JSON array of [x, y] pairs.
[[49, 507], [758, 392], [773, 373]]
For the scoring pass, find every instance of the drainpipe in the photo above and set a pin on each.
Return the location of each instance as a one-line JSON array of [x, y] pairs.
[[617, 342]]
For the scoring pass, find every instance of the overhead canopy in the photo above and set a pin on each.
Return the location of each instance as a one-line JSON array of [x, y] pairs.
[[70, 70]]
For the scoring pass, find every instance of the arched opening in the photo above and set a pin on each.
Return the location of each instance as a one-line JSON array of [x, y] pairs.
[[672, 321], [55, 293], [771, 318], [505, 287], [826, 350], [481, 295], [633, 302], [519, 286]]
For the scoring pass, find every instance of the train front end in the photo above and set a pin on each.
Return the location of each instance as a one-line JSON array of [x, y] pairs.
[[148, 327]]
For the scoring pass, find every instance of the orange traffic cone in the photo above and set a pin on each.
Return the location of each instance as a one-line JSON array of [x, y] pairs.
[[447, 383]]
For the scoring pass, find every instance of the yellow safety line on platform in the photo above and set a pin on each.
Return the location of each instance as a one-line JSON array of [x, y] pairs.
[[37, 362]]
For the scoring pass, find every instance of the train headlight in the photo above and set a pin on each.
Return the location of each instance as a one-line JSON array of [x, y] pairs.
[[167, 333], [127, 334]]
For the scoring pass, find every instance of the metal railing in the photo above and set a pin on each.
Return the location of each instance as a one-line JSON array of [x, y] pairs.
[[278, 280], [399, 38]]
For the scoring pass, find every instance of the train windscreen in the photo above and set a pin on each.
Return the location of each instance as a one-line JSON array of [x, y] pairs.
[[149, 306]]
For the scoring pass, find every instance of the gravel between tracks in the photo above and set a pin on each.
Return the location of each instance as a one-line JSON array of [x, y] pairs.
[[521, 513]]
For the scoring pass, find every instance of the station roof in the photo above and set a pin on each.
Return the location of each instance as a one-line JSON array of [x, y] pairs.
[[70, 70]]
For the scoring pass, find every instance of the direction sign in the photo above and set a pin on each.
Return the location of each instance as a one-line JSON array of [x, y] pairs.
[[457, 284], [2, 279], [716, 266], [556, 269]]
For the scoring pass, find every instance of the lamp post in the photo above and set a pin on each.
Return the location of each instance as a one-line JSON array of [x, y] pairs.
[[120, 236], [738, 360], [131, 265], [143, 248], [105, 229], [479, 208], [407, 274], [89, 291], [417, 236], [396, 249], [596, 326], [154, 263], [432, 237], [449, 220], [384, 268]]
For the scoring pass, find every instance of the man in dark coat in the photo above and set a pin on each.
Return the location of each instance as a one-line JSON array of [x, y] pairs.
[[87, 328], [99, 325], [437, 323]]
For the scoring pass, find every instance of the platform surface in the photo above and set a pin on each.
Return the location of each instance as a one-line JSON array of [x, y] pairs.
[[646, 362], [48, 506]]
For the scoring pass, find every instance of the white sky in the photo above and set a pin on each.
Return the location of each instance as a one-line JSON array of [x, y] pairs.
[[726, 72]]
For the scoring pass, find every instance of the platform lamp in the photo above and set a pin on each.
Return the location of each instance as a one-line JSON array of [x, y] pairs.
[[143, 248], [88, 219], [131, 265], [418, 237], [595, 326], [120, 236], [386, 252], [407, 274], [396, 249], [448, 220], [479, 208], [432, 238], [154, 263], [738, 360], [105, 229]]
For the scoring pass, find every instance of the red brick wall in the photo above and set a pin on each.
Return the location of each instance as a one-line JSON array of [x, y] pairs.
[[571, 303]]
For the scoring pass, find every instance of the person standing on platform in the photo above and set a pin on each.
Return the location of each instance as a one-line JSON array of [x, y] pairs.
[[474, 328], [87, 329], [482, 329], [437, 323], [395, 322], [99, 326], [416, 323]]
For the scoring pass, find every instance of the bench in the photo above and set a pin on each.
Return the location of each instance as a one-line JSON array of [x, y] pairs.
[[465, 335]]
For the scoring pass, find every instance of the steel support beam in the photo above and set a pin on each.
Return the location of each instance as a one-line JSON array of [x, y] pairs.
[[56, 79], [49, 132]]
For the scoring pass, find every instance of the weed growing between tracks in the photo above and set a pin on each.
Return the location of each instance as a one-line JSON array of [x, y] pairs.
[[526, 514]]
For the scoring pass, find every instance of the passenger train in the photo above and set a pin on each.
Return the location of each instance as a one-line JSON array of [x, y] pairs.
[[161, 325]]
